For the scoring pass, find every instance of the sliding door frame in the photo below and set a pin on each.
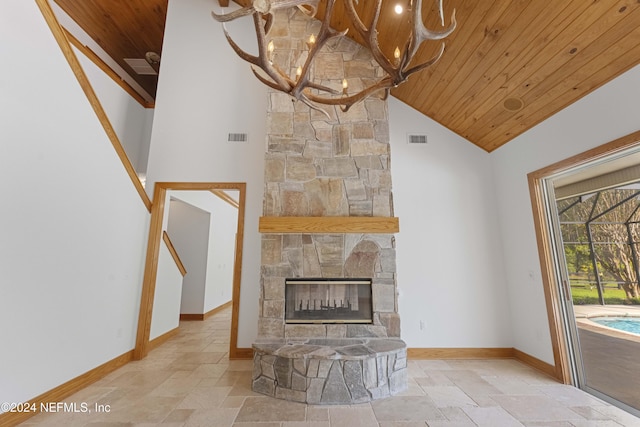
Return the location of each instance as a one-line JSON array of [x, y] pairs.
[[559, 338]]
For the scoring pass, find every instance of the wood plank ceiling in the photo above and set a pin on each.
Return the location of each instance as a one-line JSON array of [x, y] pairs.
[[509, 65]]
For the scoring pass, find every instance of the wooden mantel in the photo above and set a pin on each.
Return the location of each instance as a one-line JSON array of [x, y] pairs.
[[328, 224]]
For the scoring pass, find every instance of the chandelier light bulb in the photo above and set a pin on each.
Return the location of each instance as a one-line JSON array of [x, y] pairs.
[[299, 71], [270, 49], [396, 53], [312, 40]]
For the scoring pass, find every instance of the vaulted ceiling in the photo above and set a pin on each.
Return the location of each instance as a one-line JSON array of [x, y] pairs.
[[509, 65]]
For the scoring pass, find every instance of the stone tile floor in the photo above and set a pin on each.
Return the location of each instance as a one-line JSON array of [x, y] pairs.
[[188, 381]]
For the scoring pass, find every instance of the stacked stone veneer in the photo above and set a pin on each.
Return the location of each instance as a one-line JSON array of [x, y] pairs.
[[328, 255], [333, 164]]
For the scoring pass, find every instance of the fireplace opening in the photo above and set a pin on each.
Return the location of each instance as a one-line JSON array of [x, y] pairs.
[[321, 300]]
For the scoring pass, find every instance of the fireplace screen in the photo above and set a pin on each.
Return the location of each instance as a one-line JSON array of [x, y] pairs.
[[328, 301]]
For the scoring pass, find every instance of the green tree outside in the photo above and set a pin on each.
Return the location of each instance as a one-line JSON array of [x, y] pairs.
[[601, 236]]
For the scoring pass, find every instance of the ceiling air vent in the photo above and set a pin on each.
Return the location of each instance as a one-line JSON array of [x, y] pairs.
[[238, 137], [416, 139], [141, 66]]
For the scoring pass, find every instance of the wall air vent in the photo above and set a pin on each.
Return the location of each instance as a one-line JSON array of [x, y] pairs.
[[416, 139], [238, 137]]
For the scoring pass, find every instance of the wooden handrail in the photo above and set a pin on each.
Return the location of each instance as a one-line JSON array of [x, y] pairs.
[[227, 198], [174, 253], [108, 70]]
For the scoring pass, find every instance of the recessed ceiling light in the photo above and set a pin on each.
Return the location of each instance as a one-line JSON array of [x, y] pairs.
[[513, 104], [398, 9], [152, 58]]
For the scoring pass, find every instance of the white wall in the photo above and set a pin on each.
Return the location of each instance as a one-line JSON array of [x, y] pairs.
[[167, 295], [73, 227], [450, 273], [221, 255], [199, 101], [130, 120], [188, 229], [605, 115]]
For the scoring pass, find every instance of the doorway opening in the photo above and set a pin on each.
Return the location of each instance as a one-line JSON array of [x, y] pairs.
[[587, 217], [159, 216], [201, 226]]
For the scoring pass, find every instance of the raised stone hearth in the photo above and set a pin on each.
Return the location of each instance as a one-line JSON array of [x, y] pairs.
[[330, 371]]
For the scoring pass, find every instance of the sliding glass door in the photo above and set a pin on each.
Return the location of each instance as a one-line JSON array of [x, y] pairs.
[[594, 215]]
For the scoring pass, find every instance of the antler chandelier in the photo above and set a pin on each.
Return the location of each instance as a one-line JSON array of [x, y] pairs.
[[396, 70]]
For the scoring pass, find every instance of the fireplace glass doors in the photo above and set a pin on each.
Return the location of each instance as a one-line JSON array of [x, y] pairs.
[[328, 301]]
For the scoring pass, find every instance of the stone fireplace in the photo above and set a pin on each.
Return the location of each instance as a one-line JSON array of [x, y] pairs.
[[327, 220]]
